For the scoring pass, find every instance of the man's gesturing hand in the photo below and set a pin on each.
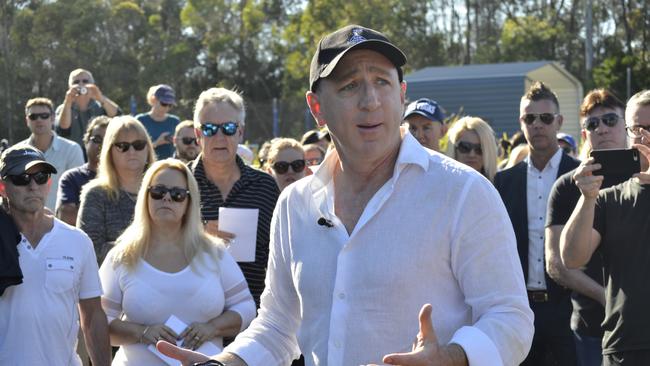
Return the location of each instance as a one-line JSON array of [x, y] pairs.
[[426, 350]]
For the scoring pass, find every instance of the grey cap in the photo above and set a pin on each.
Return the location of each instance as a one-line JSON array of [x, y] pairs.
[[19, 158]]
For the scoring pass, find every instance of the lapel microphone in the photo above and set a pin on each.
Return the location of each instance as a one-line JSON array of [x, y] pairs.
[[325, 222]]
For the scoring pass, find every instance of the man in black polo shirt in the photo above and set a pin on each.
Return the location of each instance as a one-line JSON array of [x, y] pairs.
[[615, 221], [226, 181], [603, 127]]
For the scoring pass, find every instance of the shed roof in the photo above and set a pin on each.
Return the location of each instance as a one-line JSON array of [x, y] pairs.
[[478, 71]]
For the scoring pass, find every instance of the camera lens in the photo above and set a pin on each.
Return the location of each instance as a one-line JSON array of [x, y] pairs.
[[83, 90]]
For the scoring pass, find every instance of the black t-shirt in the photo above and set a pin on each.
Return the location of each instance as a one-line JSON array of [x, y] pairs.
[[587, 314], [622, 218], [10, 273]]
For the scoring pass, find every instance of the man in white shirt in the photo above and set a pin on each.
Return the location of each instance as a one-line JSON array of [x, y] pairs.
[[60, 152], [525, 189], [382, 228], [39, 319]]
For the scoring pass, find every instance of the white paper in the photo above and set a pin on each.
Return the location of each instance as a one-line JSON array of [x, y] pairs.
[[243, 223], [178, 326]]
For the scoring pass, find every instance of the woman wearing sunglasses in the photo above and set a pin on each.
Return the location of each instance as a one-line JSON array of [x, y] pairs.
[[472, 142], [107, 202], [286, 161], [160, 124], [165, 256]]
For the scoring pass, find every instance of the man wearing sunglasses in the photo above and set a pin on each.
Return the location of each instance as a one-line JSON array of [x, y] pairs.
[[603, 127], [384, 227], [83, 102], [524, 189], [160, 124], [613, 223], [60, 152], [40, 318], [186, 143]]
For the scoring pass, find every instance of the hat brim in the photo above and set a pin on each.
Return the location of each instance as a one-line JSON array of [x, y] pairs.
[[22, 168], [423, 114], [394, 54]]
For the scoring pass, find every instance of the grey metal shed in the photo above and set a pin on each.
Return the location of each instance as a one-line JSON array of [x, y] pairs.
[[493, 91]]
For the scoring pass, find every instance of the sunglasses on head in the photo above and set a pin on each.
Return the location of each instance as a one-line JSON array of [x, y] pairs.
[[546, 118], [35, 116], [165, 104], [84, 81], [177, 194], [96, 139], [190, 141], [23, 179], [465, 147], [608, 119], [210, 129], [281, 167], [138, 145]]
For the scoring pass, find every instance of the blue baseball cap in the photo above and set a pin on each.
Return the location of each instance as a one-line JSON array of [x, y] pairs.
[[427, 108], [561, 136], [165, 94]]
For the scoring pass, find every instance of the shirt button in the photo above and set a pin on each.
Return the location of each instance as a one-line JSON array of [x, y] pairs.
[[540, 218], [539, 282], [337, 344], [540, 197], [341, 295], [539, 260], [541, 238]]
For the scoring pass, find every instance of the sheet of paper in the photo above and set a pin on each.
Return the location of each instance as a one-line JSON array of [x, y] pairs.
[[178, 326], [243, 223]]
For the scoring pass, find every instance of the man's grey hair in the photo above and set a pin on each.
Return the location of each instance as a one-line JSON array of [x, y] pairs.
[[219, 95]]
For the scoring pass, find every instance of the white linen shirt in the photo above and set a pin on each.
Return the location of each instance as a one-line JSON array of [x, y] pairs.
[[538, 188], [436, 232]]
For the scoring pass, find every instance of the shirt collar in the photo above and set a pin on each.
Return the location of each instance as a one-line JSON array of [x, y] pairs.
[[55, 145], [553, 163]]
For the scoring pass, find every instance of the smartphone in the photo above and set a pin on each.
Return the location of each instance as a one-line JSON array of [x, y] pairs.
[[617, 162]]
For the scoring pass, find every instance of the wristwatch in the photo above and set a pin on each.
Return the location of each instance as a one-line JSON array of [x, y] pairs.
[[210, 363]]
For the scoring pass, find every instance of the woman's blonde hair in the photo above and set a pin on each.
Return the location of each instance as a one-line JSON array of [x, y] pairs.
[[107, 176], [133, 244], [280, 144], [485, 136]]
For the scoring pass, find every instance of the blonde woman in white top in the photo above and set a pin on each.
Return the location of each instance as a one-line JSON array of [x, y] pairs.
[[163, 265]]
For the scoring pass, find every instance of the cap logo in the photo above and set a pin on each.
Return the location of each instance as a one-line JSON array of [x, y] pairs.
[[426, 107], [356, 36]]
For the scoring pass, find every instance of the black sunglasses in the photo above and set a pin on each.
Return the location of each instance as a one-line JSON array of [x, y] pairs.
[[138, 145], [465, 147], [609, 119], [546, 118], [165, 104], [96, 139], [190, 141], [23, 179], [210, 129], [281, 167], [85, 81], [35, 116], [159, 191]]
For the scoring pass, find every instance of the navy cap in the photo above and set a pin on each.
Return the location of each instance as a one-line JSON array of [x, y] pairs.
[[165, 94], [427, 108], [568, 139], [19, 158], [334, 46]]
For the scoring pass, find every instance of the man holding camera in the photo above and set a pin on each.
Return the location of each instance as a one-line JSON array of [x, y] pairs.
[[614, 223], [83, 102]]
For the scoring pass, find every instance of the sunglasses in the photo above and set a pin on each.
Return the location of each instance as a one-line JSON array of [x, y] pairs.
[[465, 147], [138, 145], [546, 118], [281, 167], [190, 141], [84, 81], [23, 179], [608, 119], [314, 161], [210, 129], [159, 191], [96, 139], [166, 105], [35, 116]]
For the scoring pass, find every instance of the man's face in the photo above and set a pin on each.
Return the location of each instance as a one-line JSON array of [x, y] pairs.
[[81, 79], [605, 137], [541, 136], [29, 198], [94, 145], [42, 124], [426, 131], [186, 144], [219, 148], [638, 116], [361, 104]]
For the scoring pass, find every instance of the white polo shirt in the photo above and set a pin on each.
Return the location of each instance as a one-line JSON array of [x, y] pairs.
[[39, 319]]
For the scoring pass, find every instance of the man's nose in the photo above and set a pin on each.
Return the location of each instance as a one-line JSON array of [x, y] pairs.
[[370, 96]]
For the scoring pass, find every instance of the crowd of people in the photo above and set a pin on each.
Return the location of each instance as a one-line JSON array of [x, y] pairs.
[[365, 236]]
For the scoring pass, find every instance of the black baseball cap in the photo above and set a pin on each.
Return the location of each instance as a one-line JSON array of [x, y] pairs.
[[334, 46], [19, 158]]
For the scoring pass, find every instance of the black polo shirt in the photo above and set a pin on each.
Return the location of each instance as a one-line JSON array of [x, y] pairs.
[[254, 189]]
